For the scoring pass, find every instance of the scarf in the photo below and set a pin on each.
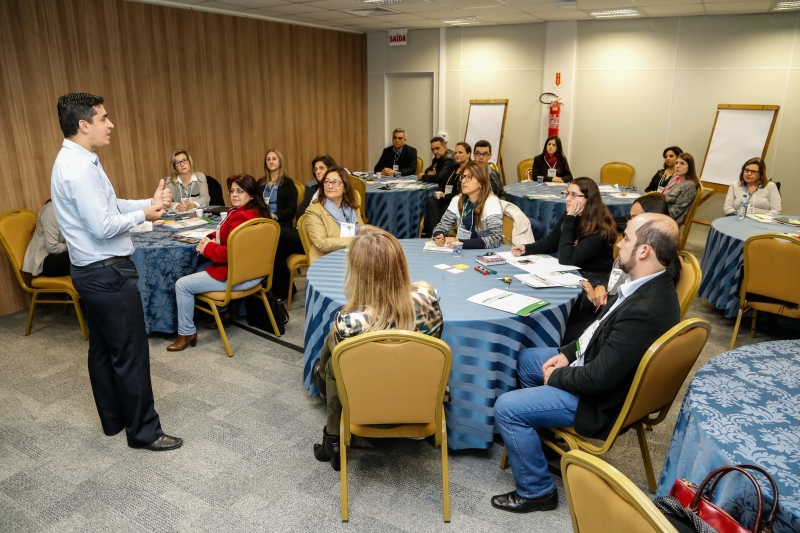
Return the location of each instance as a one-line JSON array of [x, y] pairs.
[[551, 160]]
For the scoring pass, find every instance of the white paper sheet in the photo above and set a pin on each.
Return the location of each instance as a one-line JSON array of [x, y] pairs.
[[144, 227], [430, 246], [549, 279], [188, 223], [510, 302], [195, 233]]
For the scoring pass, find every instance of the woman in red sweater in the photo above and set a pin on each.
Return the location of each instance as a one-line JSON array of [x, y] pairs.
[[247, 204]]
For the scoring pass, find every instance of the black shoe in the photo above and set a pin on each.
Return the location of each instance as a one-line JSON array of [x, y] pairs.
[[321, 385], [164, 443], [328, 450], [517, 504]]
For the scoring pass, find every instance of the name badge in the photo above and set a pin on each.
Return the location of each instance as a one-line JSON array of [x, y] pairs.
[[347, 229], [751, 207], [463, 233], [613, 279], [396, 168], [661, 189], [551, 173], [448, 189], [583, 342]]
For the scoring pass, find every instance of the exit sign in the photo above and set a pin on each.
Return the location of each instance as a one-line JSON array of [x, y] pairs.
[[398, 37]]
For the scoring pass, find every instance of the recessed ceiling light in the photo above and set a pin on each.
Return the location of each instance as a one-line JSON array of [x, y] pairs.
[[787, 5], [463, 21], [609, 13]]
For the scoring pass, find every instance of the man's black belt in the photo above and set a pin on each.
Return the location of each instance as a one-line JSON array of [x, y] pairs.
[[103, 263]]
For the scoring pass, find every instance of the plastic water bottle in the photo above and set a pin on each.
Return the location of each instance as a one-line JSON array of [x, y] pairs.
[[743, 207]]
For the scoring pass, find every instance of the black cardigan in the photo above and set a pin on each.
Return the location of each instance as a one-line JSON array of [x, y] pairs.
[[540, 168], [592, 253], [614, 352], [407, 160], [654, 182], [287, 200]]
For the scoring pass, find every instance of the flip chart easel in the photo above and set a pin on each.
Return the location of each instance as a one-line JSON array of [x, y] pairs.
[[486, 120]]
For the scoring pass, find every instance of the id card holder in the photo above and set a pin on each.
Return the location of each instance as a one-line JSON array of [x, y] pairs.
[[751, 207], [396, 168], [613, 279], [448, 189], [347, 229], [583, 342], [551, 173]]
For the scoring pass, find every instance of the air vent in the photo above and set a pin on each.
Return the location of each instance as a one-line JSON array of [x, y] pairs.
[[463, 21], [612, 13], [371, 11]]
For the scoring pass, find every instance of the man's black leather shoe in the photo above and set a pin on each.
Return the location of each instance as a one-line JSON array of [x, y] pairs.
[[164, 443], [517, 504]]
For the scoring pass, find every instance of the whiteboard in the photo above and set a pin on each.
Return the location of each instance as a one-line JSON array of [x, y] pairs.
[[738, 135], [485, 122]]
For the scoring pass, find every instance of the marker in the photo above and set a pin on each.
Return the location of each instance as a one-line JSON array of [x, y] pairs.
[[485, 271]]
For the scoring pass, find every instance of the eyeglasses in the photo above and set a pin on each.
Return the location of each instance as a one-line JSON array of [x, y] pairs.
[[481, 154], [181, 162], [754, 172], [236, 191], [575, 195], [334, 183], [467, 177]]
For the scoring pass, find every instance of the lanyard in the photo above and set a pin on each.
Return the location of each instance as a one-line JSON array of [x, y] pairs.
[[271, 188], [187, 189], [664, 179], [469, 209], [677, 180], [397, 156], [548, 164]]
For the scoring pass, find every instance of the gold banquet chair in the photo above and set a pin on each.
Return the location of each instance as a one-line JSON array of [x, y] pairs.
[[395, 378], [523, 167], [251, 255], [602, 499], [297, 262], [16, 231], [770, 271], [617, 173], [420, 166], [361, 188], [686, 226], [658, 379], [301, 195], [689, 282]]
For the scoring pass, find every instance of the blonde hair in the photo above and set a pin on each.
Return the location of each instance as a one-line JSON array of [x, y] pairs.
[[281, 168], [172, 163], [378, 280]]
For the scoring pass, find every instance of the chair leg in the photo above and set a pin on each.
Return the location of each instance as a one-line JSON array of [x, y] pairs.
[[77, 304], [221, 329], [445, 473], [343, 459], [291, 286], [269, 313], [30, 314], [736, 328], [504, 459], [648, 466], [753, 325]]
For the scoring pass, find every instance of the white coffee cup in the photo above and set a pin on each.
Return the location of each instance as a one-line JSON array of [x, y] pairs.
[[198, 213]]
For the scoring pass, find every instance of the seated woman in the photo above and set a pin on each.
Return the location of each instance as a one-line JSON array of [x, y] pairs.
[[662, 177], [333, 218], [319, 167], [247, 204], [476, 212], [682, 189], [188, 189], [763, 196], [552, 163], [380, 296], [448, 188], [278, 190], [47, 252], [584, 236]]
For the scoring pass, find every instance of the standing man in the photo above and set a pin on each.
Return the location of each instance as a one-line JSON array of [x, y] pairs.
[[95, 225], [482, 153], [443, 162], [584, 384], [398, 159]]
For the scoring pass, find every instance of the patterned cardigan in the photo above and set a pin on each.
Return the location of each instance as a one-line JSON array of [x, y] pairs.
[[488, 236]]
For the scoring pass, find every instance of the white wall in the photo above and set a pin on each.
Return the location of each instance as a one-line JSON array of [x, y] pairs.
[[641, 85]]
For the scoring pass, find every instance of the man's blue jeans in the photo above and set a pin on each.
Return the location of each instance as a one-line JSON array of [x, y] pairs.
[[519, 413]]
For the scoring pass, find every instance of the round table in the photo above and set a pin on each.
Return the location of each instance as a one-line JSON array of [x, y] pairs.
[[484, 342], [723, 259], [160, 261], [398, 211], [549, 210], [743, 407]]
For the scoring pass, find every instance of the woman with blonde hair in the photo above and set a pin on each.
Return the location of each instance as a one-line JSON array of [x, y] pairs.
[[380, 296], [278, 189], [188, 189]]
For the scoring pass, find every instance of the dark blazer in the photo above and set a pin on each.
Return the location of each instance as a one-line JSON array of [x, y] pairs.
[[614, 352], [540, 169], [443, 166], [407, 160], [592, 253], [287, 200]]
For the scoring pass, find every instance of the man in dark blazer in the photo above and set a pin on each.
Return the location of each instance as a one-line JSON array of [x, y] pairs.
[[399, 159], [584, 384], [442, 165]]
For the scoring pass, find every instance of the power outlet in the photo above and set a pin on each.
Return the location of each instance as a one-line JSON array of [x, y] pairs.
[[443, 136]]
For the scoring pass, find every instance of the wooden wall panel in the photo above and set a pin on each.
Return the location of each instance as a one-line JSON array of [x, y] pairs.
[[225, 88]]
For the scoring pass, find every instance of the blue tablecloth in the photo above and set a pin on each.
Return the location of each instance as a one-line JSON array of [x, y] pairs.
[[484, 342], [743, 407], [723, 258], [161, 261], [398, 211], [548, 211]]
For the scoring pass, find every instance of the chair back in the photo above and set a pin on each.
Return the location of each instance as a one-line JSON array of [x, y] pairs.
[[214, 191], [523, 167], [687, 222], [689, 282], [516, 225], [602, 499], [662, 371], [420, 166], [391, 377], [251, 251], [301, 191], [617, 173], [304, 239], [770, 267], [508, 228], [493, 166], [360, 187], [16, 232]]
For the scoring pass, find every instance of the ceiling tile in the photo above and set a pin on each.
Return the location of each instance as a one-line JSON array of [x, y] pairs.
[[563, 15], [673, 11], [251, 4], [220, 5], [336, 4], [418, 7], [675, 3], [605, 4], [761, 6], [445, 13], [189, 1], [484, 12], [400, 17], [461, 4], [295, 9], [521, 18], [327, 15]]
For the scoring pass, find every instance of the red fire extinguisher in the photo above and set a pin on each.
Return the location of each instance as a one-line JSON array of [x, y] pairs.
[[555, 117]]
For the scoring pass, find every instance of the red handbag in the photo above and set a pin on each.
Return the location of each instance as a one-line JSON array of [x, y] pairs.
[[698, 501]]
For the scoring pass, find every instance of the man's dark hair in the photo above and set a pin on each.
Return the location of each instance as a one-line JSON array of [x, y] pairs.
[[483, 144], [74, 107], [663, 243], [438, 139]]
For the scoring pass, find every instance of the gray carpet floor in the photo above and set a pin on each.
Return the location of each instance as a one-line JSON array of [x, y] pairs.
[[247, 463]]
